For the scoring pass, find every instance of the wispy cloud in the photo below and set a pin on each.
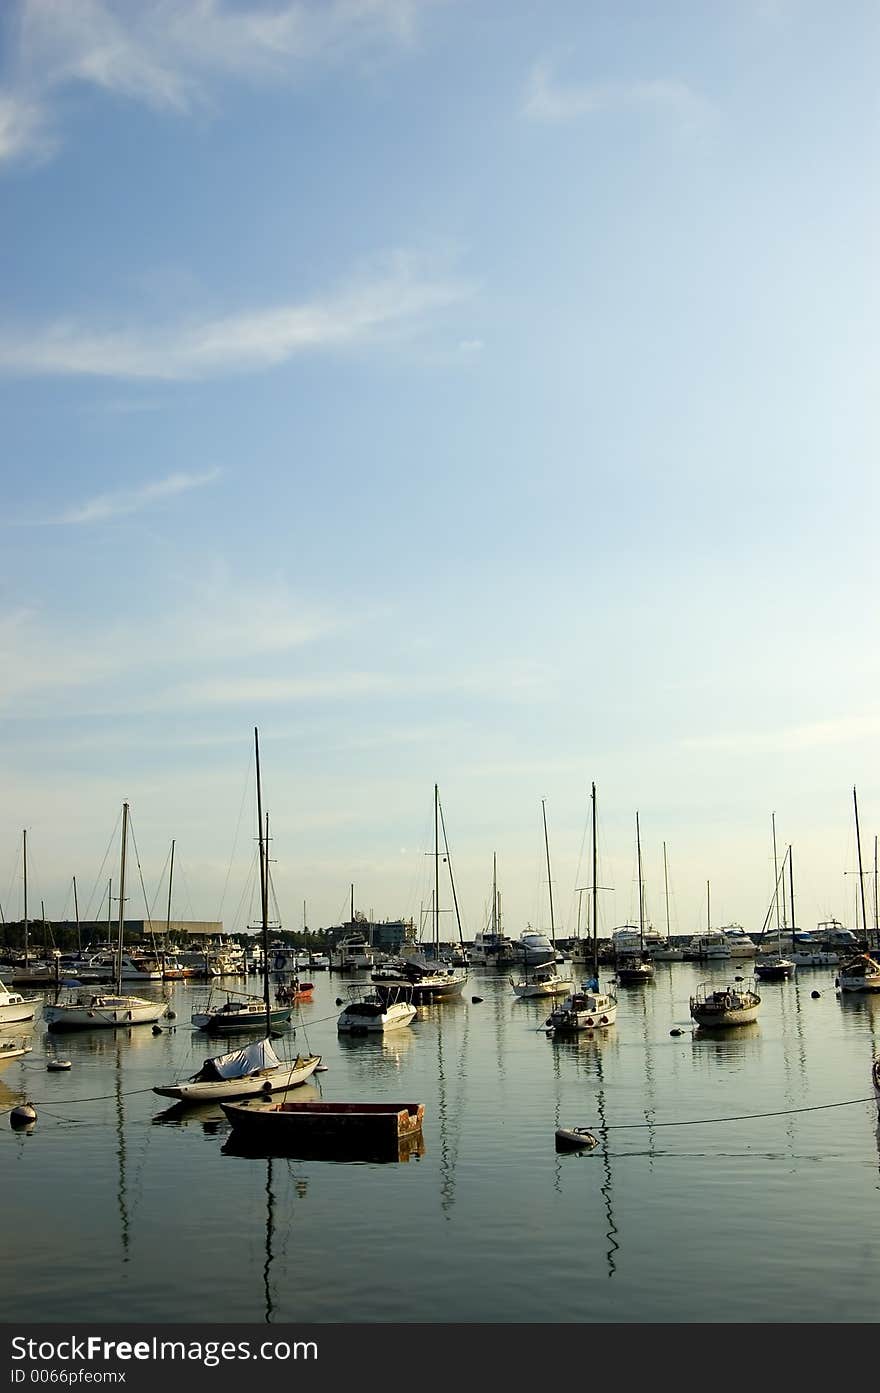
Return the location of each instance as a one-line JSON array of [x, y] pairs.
[[242, 342], [548, 99], [111, 505], [169, 54]]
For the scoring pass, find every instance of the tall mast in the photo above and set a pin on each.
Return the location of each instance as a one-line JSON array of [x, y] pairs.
[[436, 873], [861, 875], [494, 900], [641, 895], [109, 909], [169, 910], [121, 901], [24, 857], [791, 897], [775, 872], [595, 891], [76, 913], [666, 889], [352, 905], [264, 887], [708, 910], [875, 886], [549, 881], [451, 877]]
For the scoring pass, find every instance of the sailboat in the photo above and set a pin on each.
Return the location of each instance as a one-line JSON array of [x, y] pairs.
[[254, 1069], [492, 947], [588, 1009], [634, 966], [542, 978], [90, 1008], [14, 1006], [772, 965], [429, 980], [860, 973], [667, 953]]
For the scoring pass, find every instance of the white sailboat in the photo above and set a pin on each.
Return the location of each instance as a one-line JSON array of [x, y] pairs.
[[91, 1008], [588, 1008], [667, 952], [861, 972], [543, 978], [256, 1068]]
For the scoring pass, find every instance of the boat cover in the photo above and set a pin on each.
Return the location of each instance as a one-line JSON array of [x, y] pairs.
[[238, 1064]]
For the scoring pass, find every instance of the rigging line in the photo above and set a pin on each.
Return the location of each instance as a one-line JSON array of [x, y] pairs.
[[737, 1117], [244, 794], [87, 913], [99, 1098], [140, 873]]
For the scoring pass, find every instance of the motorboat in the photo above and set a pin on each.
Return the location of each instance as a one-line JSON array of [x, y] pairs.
[[14, 1048], [534, 947], [711, 946], [15, 1007], [586, 1009], [255, 1069], [739, 942], [374, 1011], [544, 979], [722, 1007], [859, 974]]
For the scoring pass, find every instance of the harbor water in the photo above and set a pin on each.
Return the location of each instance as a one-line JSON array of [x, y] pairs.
[[736, 1178]]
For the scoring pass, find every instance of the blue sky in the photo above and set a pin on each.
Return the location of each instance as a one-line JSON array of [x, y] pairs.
[[474, 393]]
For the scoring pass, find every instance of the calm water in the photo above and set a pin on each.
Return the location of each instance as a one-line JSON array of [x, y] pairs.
[[116, 1215]]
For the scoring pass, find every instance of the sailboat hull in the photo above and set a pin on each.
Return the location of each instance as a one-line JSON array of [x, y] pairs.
[[264, 1082], [99, 1012]]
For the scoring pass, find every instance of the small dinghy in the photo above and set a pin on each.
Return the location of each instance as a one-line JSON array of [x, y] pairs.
[[575, 1139], [58, 1064]]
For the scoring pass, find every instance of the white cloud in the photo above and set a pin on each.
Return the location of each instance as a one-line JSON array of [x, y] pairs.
[[549, 100], [110, 505], [168, 54], [22, 128], [241, 342]]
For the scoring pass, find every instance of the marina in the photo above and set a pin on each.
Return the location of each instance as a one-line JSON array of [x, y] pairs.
[[763, 1140]]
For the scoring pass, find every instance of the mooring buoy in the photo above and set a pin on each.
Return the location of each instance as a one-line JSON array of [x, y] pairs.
[[25, 1115]]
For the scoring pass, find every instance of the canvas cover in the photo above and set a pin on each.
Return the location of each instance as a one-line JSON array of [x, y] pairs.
[[238, 1064]]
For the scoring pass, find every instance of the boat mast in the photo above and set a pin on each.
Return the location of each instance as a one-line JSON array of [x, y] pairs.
[[875, 886], [264, 888], [861, 875], [121, 901], [451, 877], [168, 913], [76, 913], [791, 897], [494, 899], [666, 889], [24, 857], [776, 874], [595, 891], [549, 881], [708, 911], [436, 873], [641, 896]]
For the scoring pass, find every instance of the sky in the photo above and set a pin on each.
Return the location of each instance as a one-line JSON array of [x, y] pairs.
[[474, 394]]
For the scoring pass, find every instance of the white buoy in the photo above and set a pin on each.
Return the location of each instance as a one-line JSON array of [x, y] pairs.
[[25, 1115]]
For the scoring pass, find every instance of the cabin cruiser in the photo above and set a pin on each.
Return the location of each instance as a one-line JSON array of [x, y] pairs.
[[535, 947], [739, 942]]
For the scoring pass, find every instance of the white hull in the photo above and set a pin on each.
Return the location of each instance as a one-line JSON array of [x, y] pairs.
[[266, 1081], [553, 986], [103, 1011], [861, 974], [13, 1049], [584, 1010], [392, 1018], [24, 1009], [721, 1008]]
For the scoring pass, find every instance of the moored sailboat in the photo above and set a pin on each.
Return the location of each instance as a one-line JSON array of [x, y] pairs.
[[255, 1069], [543, 978], [90, 1008], [587, 1009]]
